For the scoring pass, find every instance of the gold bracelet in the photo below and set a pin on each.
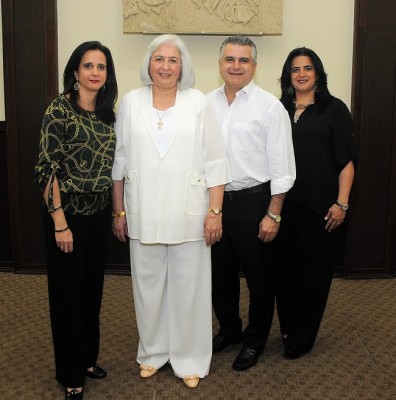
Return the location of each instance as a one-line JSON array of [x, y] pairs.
[[119, 214]]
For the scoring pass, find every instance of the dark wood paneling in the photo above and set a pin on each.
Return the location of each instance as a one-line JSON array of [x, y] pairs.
[[5, 229], [370, 245], [30, 70]]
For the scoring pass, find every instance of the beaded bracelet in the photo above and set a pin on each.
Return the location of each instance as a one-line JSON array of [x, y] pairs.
[[61, 230], [119, 214]]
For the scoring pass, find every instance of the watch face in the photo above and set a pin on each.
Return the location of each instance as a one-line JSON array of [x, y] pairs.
[[278, 219], [215, 211], [345, 207]]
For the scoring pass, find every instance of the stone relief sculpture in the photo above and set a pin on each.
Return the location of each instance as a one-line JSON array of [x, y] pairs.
[[252, 17], [131, 7], [238, 11]]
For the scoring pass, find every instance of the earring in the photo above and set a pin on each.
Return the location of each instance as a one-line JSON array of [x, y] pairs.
[[316, 87], [290, 90], [76, 85]]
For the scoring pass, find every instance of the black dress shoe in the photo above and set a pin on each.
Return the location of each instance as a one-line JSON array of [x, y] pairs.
[[74, 394], [97, 373], [220, 342], [246, 358]]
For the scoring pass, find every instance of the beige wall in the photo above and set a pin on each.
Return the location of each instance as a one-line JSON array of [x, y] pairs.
[[325, 26]]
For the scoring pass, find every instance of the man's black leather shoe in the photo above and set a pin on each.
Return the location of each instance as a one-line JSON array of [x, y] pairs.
[[220, 342], [97, 373], [246, 358], [74, 394]]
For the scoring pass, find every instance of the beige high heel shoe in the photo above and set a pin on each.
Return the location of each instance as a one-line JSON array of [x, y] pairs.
[[191, 381], [147, 370]]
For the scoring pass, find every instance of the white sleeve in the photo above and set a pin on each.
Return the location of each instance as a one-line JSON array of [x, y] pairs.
[[282, 167], [217, 168], [121, 129]]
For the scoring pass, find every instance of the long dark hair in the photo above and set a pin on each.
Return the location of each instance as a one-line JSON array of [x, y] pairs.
[[107, 96], [322, 94]]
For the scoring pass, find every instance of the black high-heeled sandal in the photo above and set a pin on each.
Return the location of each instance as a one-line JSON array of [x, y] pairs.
[[74, 394]]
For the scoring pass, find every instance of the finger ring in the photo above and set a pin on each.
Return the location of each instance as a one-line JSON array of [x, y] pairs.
[[216, 234]]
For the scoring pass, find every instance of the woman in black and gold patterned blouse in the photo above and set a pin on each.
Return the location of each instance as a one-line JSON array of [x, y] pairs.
[[74, 173]]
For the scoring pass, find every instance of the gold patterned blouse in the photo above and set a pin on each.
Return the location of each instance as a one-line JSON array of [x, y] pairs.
[[78, 149]]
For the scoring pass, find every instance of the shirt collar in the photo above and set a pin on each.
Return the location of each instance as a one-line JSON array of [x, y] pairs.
[[247, 89]]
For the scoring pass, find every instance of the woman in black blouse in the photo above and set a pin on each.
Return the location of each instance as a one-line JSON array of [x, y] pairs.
[[74, 173], [317, 205]]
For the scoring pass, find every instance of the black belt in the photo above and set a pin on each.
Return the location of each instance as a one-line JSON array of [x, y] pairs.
[[240, 194]]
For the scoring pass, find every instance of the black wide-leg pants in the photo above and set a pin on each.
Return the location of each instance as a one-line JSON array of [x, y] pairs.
[[304, 268], [75, 286], [240, 248]]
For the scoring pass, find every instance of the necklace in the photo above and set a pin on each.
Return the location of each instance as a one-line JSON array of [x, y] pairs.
[[160, 123], [299, 108]]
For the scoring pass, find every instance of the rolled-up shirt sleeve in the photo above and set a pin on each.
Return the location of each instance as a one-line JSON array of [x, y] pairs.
[[281, 163]]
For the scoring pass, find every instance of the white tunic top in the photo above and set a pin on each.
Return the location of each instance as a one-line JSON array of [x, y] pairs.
[[166, 195]]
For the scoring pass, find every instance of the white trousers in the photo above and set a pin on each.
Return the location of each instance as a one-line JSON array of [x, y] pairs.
[[172, 295]]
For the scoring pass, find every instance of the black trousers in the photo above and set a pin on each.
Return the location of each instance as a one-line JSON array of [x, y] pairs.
[[75, 286], [241, 248], [305, 268]]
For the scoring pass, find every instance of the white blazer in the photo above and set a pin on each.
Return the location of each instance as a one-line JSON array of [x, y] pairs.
[[166, 198]]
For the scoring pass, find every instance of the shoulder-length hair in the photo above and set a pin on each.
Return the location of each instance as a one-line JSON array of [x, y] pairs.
[[322, 94], [187, 76], [107, 95]]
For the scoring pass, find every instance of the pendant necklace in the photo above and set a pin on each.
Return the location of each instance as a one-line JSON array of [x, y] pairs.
[[301, 107], [160, 123]]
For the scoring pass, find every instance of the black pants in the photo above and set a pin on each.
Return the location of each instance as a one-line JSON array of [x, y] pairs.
[[305, 268], [75, 286], [241, 248]]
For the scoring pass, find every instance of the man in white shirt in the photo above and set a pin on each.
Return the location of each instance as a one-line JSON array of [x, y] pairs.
[[257, 136]]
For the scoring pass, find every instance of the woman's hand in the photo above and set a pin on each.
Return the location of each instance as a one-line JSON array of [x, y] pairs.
[[334, 217], [64, 240], [120, 228], [212, 228]]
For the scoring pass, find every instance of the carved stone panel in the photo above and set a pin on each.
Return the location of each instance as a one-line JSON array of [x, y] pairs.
[[217, 17]]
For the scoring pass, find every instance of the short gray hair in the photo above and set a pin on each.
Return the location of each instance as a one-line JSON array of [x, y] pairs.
[[241, 41], [187, 76]]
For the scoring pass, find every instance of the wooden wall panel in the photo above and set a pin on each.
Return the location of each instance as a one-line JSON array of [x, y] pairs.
[[6, 263], [371, 239]]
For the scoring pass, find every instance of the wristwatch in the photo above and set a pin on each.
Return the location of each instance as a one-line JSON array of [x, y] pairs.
[[343, 206], [215, 211], [276, 218]]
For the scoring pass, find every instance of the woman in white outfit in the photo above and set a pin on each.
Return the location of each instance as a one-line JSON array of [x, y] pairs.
[[169, 176]]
